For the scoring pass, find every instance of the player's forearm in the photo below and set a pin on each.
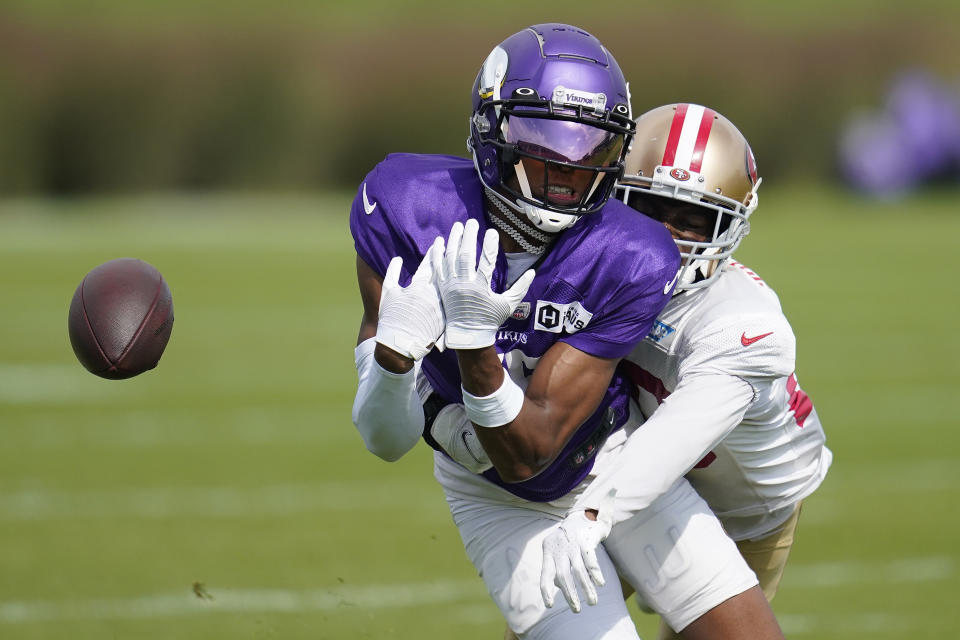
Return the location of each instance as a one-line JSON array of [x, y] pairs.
[[386, 410], [482, 376], [391, 360], [694, 419], [534, 425], [537, 429], [481, 372], [520, 451]]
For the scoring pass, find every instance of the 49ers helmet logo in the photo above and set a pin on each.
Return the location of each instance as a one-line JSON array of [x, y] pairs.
[[680, 174]]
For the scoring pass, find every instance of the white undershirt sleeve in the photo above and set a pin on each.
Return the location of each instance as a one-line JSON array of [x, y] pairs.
[[386, 410], [691, 421]]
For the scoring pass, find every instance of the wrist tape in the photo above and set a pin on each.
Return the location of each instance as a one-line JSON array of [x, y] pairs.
[[498, 408]]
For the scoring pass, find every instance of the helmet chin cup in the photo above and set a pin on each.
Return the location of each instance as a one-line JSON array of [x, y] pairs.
[[548, 221], [699, 273]]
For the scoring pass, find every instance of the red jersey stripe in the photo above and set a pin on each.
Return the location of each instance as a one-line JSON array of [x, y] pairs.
[[645, 380]]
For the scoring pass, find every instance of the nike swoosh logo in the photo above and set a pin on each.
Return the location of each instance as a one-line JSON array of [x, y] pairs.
[[367, 206], [669, 286], [463, 437], [745, 341]]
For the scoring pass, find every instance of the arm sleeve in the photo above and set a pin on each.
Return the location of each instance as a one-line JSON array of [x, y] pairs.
[[386, 410], [692, 420]]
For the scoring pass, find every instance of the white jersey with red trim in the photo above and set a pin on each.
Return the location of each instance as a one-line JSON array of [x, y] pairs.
[[715, 379]]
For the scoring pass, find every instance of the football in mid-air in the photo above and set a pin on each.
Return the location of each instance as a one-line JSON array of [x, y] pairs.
[[120, 318]]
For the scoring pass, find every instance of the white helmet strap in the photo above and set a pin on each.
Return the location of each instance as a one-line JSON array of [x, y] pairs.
[[522, 179], [593, 188]]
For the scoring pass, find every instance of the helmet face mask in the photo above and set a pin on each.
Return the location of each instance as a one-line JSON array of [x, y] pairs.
[[696, 174], [551, 124], [558, 162]]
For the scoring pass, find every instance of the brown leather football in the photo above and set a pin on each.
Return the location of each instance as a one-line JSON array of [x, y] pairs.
[[120, 318]]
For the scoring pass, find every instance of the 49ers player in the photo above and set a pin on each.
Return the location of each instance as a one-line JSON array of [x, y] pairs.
[[715, 377]]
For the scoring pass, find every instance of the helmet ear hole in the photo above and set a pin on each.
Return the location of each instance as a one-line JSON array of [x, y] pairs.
[[485, 161]]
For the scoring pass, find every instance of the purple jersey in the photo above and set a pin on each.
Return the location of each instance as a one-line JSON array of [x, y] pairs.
[[598, 288]]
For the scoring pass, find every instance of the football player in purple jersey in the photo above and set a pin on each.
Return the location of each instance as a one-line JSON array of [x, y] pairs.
[[513, 285]]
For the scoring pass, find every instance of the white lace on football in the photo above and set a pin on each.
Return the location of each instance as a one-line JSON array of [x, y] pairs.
[[515, 227]]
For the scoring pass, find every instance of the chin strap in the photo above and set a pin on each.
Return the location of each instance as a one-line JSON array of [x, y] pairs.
[[517, 228]]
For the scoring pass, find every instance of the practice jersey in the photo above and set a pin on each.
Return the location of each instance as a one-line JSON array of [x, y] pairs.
[[770, 448], [598, 288]]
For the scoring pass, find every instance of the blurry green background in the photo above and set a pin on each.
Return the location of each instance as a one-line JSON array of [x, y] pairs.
[[148, 94], [226, 494]]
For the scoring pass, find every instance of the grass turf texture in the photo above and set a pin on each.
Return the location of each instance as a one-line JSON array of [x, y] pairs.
[[226, 495]]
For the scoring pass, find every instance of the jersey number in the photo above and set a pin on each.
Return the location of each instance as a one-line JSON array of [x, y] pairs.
[[800, 402]]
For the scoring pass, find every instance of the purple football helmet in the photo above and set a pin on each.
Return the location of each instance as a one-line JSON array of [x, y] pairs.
[[551, 124]]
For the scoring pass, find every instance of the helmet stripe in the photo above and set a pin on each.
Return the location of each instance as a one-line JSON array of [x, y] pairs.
[[703, 134], [751, 165], [681, 153], [670, 151]]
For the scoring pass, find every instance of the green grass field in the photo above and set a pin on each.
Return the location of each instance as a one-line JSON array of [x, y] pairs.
[[226, 494]]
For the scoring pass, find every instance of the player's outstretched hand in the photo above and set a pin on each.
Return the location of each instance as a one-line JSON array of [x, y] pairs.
[[474, 311], [411, 319], [570, 556]]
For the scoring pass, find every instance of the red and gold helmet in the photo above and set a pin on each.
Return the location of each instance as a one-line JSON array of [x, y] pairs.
[[699, 161]]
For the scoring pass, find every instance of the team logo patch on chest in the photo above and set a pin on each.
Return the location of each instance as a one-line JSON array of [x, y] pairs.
[[522, 312], [555, 317]]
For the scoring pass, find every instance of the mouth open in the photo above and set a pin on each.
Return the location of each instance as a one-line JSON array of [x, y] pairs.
[[561, 194]]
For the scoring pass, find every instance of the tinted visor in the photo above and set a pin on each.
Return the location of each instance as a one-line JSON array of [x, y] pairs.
[[564, 141]]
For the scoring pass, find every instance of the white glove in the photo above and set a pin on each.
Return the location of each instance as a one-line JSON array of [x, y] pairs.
[[454, 432], [570, 555], [411, 319], [474, 311]]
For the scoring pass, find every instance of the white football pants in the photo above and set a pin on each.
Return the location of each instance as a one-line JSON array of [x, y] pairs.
[[674, 553]]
